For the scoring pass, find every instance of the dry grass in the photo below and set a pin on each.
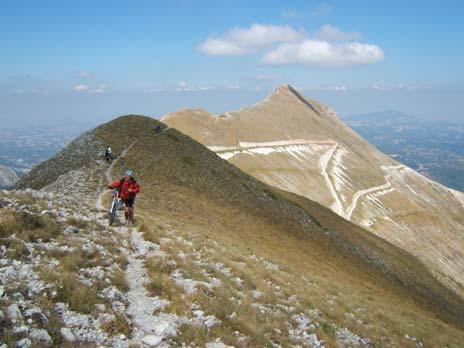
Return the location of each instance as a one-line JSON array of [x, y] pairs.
[[117, 326], [78, 296], [16, 248], [122, 261], [28, 227], [186, 186], [54, 323], [119, 280], [313, 275], [163, 286], [79, 223], [152, 232]]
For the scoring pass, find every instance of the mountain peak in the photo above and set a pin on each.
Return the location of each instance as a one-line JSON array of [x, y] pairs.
[[284, 89], [287, 90]]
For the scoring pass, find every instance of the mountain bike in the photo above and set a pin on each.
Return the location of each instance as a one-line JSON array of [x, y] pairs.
[[108, 157], [114, 206]]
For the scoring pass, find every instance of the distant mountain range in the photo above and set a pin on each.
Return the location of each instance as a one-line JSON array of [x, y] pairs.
[[433, 148]]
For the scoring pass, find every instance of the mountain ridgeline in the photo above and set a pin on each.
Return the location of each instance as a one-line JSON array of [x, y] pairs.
[[299, 145], [189, 185]]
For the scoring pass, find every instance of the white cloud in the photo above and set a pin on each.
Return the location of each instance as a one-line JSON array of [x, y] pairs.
[[100, 88], [378, 88], [333, 88], [331, 33], [183, 86], [220, 47], [330, 46], [324, 53], [233, 87], [80, 88], [240, 41], [341, 88]]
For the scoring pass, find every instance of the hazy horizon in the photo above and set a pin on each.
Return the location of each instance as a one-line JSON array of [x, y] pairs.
[[112, 58], [88, 110]]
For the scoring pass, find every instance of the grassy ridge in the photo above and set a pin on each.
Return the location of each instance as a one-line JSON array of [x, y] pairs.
[[186, 180], [189, 187]]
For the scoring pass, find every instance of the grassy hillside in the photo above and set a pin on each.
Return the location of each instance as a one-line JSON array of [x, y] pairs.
[[324, 261], [300, 146], [87, 150]]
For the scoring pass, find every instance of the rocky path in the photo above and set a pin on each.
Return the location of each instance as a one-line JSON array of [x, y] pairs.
[[150, 325], [99, 202], [359, 194], [324, 161]]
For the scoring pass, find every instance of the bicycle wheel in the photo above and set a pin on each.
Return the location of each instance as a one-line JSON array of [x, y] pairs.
[[113, 211]]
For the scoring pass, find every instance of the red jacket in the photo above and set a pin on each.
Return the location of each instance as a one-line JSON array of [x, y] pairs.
[[127, 188]]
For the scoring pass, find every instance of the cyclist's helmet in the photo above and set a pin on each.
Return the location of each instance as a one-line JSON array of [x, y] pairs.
[[128, 172]]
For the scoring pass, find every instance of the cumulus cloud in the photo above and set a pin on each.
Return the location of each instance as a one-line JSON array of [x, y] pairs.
[[240, 41], [330, 46], [220, 47], [331, 33], [81, 88], [324, 53]]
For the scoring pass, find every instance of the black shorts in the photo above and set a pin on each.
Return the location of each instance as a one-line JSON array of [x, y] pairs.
[[129, 203]]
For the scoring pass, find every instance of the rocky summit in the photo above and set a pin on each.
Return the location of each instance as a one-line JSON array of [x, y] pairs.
[[216, 258], [300, 145]]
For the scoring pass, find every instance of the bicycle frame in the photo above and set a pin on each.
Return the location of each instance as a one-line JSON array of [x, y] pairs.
[[114, 206]]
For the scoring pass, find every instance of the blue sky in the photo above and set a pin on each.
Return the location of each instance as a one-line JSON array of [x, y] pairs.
[[94, 60]]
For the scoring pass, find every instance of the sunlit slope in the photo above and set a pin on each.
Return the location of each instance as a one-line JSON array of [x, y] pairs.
[[299, 145], [187, 187], [187, 183]]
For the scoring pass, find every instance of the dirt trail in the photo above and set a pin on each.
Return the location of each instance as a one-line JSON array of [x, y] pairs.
[[324, 161], [99, 202]]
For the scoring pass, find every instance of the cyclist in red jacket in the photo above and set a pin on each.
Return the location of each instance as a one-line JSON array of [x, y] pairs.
[[128, 189]]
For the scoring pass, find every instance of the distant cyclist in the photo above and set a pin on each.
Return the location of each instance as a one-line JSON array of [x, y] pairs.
[[128, 189], [109, 154]]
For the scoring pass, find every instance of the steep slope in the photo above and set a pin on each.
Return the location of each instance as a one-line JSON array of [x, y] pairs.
[[253, 267], [299, 145], [8, 176]]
